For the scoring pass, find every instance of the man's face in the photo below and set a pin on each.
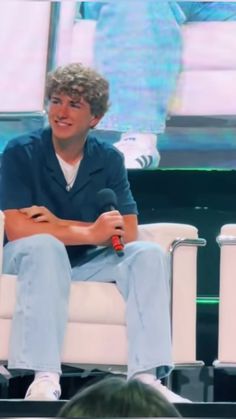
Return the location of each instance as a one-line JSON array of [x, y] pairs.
[[70, 117]]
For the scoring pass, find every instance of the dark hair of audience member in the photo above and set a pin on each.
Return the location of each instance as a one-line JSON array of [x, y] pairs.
[[117, 397]]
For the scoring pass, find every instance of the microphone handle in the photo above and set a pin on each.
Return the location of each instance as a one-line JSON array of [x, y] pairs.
[[117, 245], [116, 241]]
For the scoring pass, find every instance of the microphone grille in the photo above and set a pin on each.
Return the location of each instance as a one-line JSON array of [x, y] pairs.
[[106, 199]]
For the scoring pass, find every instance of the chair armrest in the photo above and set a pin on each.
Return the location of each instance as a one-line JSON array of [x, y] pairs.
[[170, 235], [227, 235], [181, 241]]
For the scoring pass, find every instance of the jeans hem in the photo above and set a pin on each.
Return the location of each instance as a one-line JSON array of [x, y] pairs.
[[141, 370], [22, 366]]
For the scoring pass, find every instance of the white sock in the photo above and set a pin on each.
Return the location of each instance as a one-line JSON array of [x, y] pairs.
[[54, 376], [146, 376]]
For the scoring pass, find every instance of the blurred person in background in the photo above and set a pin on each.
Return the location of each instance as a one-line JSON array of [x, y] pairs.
[[138, 47]]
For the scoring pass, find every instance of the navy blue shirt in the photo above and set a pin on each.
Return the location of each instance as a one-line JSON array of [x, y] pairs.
[[31, 175]]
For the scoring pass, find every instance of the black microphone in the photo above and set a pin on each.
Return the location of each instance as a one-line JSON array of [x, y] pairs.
[[107, 201]]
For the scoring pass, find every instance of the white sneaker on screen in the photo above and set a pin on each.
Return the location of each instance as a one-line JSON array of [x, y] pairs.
[[139, 150], [43, 389], [165, 391]]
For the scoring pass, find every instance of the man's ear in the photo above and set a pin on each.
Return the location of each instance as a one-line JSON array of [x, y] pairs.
[[95, 120]]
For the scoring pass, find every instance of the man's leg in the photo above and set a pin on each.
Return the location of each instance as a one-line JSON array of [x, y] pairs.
[[43, 284], [142, 276]]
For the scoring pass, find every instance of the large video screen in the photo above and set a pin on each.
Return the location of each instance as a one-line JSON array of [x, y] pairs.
[[172, 70], [171, 67]]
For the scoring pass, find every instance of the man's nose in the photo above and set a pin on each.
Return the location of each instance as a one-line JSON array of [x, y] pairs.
[[63, 111]]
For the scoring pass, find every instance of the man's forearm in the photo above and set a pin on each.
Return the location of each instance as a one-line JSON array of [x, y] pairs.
[[74, 223], [69, 232], [38, 220]]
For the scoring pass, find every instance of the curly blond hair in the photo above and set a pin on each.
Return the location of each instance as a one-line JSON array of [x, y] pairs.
[[79, 81]]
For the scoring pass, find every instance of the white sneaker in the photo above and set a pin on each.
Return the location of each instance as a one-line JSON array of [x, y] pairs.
[[165, 391], [139, 150], [43, 389]]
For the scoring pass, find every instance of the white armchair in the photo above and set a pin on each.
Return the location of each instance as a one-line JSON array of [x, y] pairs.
[[227, 306], [96, 335]]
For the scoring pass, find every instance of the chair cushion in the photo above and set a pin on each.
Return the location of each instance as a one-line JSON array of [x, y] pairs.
[[97, 303], [90, 302]]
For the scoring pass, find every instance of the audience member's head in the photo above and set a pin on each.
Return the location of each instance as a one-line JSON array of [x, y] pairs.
[[116, 397]]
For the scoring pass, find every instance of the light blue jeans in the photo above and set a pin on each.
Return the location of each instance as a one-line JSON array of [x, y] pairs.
[[138, 48], [44, 277]]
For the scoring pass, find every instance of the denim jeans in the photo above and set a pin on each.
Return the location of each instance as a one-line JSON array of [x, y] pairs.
[[139, 51], [44, 277]]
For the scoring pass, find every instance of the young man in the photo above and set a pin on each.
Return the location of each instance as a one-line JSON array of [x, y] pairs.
[[56, 233]]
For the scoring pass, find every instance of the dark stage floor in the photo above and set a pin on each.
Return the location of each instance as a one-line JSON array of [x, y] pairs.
[[18, 408]]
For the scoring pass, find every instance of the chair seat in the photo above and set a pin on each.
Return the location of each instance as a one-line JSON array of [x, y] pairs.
[[90, 302]]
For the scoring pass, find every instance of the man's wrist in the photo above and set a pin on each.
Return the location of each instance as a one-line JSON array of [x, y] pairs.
[[89, 234]]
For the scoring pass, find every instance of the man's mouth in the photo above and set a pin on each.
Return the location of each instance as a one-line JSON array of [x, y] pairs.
[[62, 123]]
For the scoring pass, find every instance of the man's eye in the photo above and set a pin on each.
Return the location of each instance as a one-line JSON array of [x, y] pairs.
[[75, 105], [54, 100]]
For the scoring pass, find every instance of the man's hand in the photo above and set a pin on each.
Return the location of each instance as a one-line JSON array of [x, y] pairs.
[[40, 214], [107, 225]]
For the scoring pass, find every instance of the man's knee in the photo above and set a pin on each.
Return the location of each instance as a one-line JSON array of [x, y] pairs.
[[146, 248], [46, 243], [39, 243]]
